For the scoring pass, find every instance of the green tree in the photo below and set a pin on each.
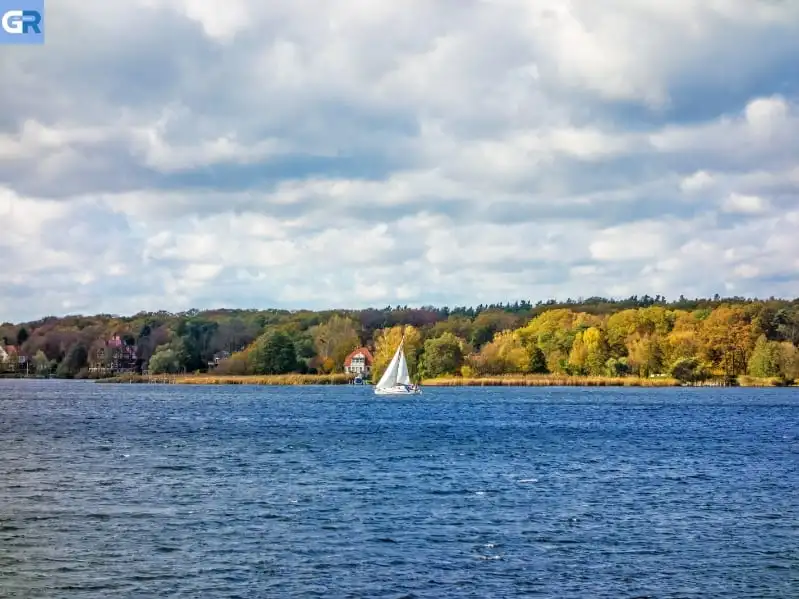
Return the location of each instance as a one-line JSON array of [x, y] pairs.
[[22, 336], [442, 356], [617, 367], [689, 370], [273, 353], [538, 361], [196, 334], [765, 358], [164, 361], [74, 361]]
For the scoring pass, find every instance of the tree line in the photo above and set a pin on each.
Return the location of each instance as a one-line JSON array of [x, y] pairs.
[[637, 336]]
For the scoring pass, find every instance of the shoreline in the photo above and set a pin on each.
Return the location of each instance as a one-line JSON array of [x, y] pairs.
[[490, 381], [548, 380]]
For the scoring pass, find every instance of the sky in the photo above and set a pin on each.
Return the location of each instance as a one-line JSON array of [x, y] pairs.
[[177, 154]]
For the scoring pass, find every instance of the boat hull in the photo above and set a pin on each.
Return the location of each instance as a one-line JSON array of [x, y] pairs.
[[397, 391]]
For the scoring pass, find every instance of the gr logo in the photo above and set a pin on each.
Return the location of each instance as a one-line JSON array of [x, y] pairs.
[[21, 22], [18, 22]]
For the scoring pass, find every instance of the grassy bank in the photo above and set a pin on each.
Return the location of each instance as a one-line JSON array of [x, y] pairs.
[[209, 379], [550, 380]]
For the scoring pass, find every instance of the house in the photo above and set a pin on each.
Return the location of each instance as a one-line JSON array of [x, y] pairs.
[[359, 362], [11, 359], [218, 357], [115, 356]]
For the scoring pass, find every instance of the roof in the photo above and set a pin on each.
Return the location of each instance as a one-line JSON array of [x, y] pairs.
[[361, 350]]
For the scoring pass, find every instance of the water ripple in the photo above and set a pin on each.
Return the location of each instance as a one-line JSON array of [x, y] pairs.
[[164, 491]]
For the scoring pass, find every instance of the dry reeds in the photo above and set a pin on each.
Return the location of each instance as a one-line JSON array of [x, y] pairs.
[[551, 380], [209, 379], [751, 381]]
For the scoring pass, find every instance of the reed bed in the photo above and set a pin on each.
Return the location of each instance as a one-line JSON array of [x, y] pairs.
[[772, 381], [207, 379], [551, 380]]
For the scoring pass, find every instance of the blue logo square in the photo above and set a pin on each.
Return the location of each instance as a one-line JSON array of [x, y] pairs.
[[21, 22]]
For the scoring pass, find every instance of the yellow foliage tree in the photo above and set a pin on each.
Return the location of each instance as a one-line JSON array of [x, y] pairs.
[[505, 354], [788, 359], [620, 327], [386, 343], [553, 331], [598, 353], [578, 356], [655, 320], [680, 343], [727, 338], [645, 355]]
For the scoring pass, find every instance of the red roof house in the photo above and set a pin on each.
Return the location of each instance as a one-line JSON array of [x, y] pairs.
[[359, 362]]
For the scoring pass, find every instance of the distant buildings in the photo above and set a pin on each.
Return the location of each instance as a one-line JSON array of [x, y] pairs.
[[359, 362], [114, 356], [218, 357], [11, 360]]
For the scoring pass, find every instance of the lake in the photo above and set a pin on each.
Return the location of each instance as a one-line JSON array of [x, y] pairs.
[[192, 491]]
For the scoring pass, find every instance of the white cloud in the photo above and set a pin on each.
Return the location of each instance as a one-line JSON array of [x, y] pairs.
[[177, 153], [630, 242], [698, 181], [744, 204]]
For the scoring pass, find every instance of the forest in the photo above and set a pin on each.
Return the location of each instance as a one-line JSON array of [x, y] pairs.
[[690, 340]]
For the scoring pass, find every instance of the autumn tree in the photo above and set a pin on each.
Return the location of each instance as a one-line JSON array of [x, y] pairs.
[[726, 339], [458, 325], [505, 354], [788, 360], [620, 327], [553, 332], [487, 324], [236, 364], [335, 339], [645, 355]]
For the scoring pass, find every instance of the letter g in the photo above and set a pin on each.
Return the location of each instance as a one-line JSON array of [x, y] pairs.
[[12, 21]]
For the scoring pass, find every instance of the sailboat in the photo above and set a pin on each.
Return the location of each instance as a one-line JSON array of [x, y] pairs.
[[396, 380]]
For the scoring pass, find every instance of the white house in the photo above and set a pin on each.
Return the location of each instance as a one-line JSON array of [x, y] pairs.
[[359, 362]]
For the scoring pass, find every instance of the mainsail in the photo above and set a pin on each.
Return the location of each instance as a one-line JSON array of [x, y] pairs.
[[396, 368]]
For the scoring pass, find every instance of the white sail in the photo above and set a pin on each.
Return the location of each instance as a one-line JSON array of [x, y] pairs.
[[403, 378], [389, 378], [396, 380]]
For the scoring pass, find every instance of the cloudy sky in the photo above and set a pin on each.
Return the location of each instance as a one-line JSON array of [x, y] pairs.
[[169, 154]]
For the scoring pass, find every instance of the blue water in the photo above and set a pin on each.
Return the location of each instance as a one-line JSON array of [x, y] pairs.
[[168, 491]]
